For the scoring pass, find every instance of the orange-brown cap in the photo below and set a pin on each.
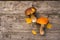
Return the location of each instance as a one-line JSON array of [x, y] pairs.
[[30, 11], [42, 20]]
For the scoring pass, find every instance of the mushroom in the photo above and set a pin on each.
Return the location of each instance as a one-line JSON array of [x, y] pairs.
[[42, 21], [29, 12]]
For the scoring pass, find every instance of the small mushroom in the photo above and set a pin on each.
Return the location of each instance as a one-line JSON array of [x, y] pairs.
[[42, 21], [30, 12]]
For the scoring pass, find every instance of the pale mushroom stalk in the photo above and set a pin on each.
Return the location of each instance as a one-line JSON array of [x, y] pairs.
[[33, 18], [41, 29]]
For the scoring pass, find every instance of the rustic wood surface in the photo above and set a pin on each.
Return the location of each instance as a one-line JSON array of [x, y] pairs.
[[14, 27]]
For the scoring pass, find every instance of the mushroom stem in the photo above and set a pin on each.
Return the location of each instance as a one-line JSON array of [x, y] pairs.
[[33, 18], [41, 29]]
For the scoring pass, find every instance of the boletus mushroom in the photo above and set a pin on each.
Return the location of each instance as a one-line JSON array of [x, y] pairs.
[[42, 21], [30, 12]]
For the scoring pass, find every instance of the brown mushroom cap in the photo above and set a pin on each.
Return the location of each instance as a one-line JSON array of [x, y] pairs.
[[30, 11]]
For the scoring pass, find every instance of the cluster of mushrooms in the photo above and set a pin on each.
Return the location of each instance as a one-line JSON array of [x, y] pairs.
[[31, 18]]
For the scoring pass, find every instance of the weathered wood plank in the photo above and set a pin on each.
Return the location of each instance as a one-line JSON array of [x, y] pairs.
[[14, 27]]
